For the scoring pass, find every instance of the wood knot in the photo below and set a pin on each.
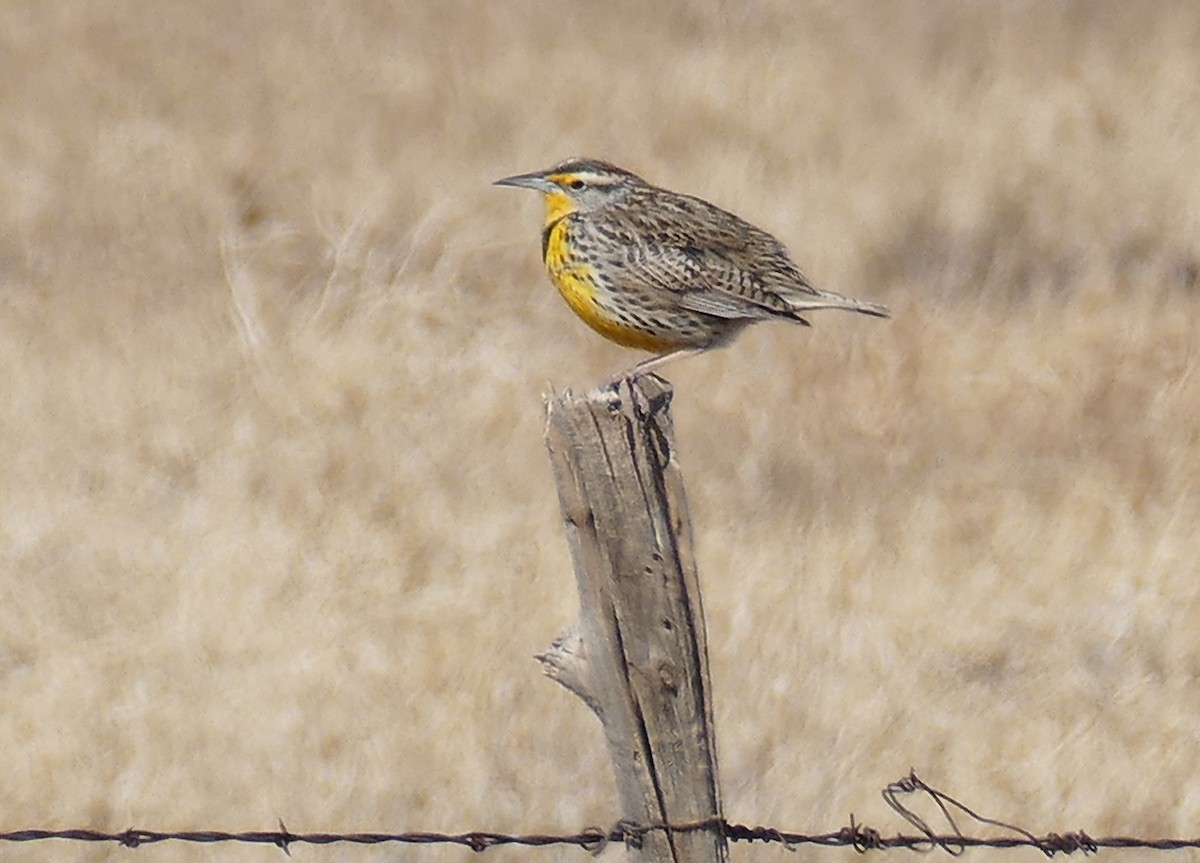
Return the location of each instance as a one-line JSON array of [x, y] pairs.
[[666, 676]]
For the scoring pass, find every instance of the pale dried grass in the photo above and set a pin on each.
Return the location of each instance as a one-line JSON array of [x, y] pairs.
[[278, 534]]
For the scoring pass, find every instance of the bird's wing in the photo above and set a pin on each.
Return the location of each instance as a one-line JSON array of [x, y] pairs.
[[713, 263], [722, 305], [692, 279], [717, 263]]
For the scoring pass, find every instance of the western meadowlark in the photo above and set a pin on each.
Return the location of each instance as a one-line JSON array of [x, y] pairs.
[[663, 272]]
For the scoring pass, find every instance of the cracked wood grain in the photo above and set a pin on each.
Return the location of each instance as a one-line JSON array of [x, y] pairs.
[[638, 655]]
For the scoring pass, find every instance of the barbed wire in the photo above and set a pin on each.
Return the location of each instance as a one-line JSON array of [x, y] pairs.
[[594, 839]]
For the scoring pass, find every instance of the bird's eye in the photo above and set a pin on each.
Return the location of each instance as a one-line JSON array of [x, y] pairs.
[[577, 185]]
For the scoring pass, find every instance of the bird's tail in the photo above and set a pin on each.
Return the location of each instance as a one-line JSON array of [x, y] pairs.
[[830, 300]]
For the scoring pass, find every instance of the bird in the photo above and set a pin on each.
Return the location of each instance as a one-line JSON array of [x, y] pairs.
[[661, 271]]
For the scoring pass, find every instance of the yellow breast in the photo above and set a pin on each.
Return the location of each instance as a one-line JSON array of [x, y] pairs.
[[577, 281]]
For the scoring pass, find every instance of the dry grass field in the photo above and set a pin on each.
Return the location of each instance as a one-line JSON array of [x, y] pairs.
[[278, 537]]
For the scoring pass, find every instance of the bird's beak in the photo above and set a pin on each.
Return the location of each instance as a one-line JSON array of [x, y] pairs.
[[536, 181]]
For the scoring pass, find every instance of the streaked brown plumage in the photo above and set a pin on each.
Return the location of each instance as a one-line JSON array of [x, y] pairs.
[[661, 271]]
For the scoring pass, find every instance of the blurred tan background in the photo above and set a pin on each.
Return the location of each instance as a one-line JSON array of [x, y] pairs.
[[277, 534]]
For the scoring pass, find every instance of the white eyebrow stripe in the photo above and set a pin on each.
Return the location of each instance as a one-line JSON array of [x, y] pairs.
[[593, 177]]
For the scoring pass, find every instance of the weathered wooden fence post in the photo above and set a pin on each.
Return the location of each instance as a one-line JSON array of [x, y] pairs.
[[638, 655]]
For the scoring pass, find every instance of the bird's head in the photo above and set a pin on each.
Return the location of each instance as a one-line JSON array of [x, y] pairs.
[[578, 186]]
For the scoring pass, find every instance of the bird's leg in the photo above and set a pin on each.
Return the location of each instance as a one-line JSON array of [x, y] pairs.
[[654, 362]]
